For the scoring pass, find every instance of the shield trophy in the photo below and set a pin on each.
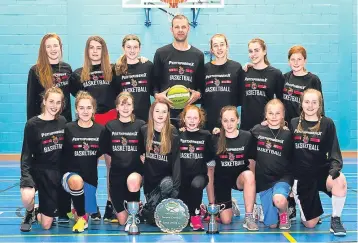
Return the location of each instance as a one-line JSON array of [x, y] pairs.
[[213, 210], [132, 209]]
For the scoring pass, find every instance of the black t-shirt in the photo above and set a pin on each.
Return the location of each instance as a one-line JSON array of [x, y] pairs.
[[81, 150], [315, 152], [196, 150], [102, 90], [222, 88], [35, 91], [157, 165], [124, 143], [172, 67], [272, 151], [42, 145], [235, 158], [138, 81], [260, 86], [293, 89]]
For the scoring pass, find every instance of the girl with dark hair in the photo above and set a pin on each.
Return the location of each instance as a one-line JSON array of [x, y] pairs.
[[134, 76], [95, 77], [162, 169]]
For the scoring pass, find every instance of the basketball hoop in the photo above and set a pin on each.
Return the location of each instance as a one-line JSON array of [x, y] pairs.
[[173, 3]]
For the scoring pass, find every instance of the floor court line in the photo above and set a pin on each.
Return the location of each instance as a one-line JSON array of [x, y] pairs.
[[289, 237], [162, 233]]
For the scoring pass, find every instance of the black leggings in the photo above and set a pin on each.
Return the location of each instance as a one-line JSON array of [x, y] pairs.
[[154, 197], [191, 192]]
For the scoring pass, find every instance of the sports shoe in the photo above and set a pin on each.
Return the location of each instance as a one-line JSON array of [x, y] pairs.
[[196, 224], [291, 209], [337, 226], [28, 220], [96, 216], [235, 208], [109, 215], [129, 222], [80, 225], [250, 224], [285, 222], [63, 219], [258, 213]]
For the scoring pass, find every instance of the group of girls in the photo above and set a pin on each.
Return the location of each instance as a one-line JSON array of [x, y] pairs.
[[266, 158]]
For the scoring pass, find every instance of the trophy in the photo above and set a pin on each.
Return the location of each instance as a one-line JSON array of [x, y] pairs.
[[171, 215], [213, 210], [132, 209]]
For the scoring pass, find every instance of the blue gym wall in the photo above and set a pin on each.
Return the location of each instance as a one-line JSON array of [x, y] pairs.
[[327, 28]]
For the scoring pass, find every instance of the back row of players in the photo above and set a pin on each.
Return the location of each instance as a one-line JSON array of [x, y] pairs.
[[169, 158]]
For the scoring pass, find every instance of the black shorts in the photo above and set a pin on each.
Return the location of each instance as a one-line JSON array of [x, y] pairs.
[[306, 193], [47, 183], [223, 184], [119, 191]]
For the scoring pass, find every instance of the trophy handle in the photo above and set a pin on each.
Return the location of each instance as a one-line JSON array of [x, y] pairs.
[[125, 202], [222, 207]]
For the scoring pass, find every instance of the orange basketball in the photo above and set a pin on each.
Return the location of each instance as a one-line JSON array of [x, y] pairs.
[[173, 3]]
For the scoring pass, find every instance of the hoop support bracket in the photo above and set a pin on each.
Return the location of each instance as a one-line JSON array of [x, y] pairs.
[[195, 12], [147, 17]]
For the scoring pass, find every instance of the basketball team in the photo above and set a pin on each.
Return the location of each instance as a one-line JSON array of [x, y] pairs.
[[282, 147]]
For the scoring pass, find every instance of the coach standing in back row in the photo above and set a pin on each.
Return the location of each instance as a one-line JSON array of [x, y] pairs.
[[178, 63]]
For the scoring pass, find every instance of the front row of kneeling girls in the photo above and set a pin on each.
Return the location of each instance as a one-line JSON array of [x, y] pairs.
[[173, 163]]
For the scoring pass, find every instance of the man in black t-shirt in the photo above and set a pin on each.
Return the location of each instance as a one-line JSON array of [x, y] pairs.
[[178, 63]]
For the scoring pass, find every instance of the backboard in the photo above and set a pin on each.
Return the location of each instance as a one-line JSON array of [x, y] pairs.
[[168, 3]]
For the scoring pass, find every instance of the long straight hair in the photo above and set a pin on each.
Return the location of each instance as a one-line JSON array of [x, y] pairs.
[[43, 66], [222, 137], [166, 135], [106, 67]]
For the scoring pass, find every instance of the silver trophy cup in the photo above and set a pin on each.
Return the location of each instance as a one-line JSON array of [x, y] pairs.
[[132, 209], [213, 210]]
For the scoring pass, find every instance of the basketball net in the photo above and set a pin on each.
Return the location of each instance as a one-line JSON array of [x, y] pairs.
[[173, 8]]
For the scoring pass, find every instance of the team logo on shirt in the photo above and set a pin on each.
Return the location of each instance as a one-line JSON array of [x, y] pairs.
[[290, 91], [54, 139], [85, 146], [231, 156], [191, 148], [134, 82], [305, 138], [124, 141], [253, 85], [95, 77], [181, 70], [216, 82], [56, 79], [268, 144], [156, 149]]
